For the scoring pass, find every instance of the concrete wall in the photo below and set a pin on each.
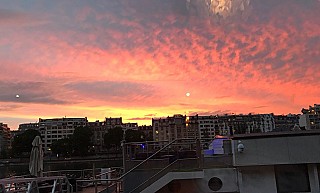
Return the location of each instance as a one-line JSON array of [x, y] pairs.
[[262, 179], [277, 150], [180, 184], [257, 179]]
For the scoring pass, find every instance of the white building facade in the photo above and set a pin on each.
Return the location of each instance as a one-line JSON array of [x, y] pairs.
[[58, 128]]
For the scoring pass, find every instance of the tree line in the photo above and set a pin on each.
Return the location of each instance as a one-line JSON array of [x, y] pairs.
[[78, 144]]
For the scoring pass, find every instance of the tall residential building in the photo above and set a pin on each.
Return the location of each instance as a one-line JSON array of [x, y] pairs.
[[285, 122], [148, 131], [204, 126], [113, 122], [310, 118], [133, 126], [26, 126], [54, 129], [170, 128], [99, 129], [210, 126], [5, 137]]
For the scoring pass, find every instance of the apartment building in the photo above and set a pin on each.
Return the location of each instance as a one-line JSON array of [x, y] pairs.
[[169, 128], [99, 129], [26, 126], [5, 137], [133, 126], [285, 122], [310, 118], [54, 129], [148, 131], [210, 126], [113, 122]]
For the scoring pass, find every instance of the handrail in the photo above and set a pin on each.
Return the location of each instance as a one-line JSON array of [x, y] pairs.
[[144, 161], [147, 159], [20, 180], [117, 179], [105, 173], [28, 184], [152, 142], [152, 177]]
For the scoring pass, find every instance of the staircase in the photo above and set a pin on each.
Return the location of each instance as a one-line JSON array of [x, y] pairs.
[[152, 174]]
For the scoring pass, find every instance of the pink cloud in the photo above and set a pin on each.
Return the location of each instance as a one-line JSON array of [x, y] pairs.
[[266, 60]]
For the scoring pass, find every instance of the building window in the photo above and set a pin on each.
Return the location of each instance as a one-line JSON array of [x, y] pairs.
[[292, 178]]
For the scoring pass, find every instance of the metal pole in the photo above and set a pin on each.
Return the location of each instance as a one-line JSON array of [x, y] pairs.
[[94, 178], [124, 156], [123, 143], [199, 156]]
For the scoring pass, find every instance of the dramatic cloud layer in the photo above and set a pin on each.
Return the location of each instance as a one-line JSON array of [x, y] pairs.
[[138, 58]]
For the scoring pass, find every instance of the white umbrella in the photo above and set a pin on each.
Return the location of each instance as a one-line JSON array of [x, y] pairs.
[[36, 157]]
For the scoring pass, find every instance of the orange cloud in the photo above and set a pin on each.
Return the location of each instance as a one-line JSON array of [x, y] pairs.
[[143, 56]]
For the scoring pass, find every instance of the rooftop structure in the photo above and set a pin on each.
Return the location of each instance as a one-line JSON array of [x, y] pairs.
[[169, 128], [285, 122], [113, 122], [5, 136], [310, 119], [256, 162], [54, 129], [25, 126]]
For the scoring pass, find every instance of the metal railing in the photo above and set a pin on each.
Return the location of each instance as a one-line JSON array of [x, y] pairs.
[[150, 170], [59, 184], [177, 165], [115, 183]]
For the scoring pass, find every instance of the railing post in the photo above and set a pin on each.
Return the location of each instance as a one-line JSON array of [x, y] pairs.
[[199, 156], [54, 186], [123, 143], [94, 178]]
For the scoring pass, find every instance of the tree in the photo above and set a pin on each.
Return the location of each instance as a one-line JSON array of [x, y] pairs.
[[149, 136], [22, 143], [81, 140], [62, 147], [134, 136], [113, 137]]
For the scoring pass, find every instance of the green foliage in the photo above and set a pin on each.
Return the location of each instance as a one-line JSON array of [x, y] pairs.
[[134, 136], [81, 140], [77, 144], [22, 143], [113, 137], [62, 147]]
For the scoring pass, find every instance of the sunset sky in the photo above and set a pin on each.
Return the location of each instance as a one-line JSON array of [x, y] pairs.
[[138, 59]]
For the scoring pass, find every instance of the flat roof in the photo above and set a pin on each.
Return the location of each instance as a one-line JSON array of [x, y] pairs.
[[275, 134]]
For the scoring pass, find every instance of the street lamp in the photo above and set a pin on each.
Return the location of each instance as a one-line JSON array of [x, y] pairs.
[[123, 144]]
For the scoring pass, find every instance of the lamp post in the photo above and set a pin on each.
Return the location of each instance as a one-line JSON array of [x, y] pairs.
[[123, 144]]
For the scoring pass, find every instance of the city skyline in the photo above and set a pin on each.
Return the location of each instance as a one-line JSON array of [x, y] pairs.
[[156, 118], [140, 59]]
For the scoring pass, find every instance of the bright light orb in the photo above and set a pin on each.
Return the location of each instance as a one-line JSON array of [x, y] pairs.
[[221, 9], [226, 8], [188, 94], [17, 96]]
